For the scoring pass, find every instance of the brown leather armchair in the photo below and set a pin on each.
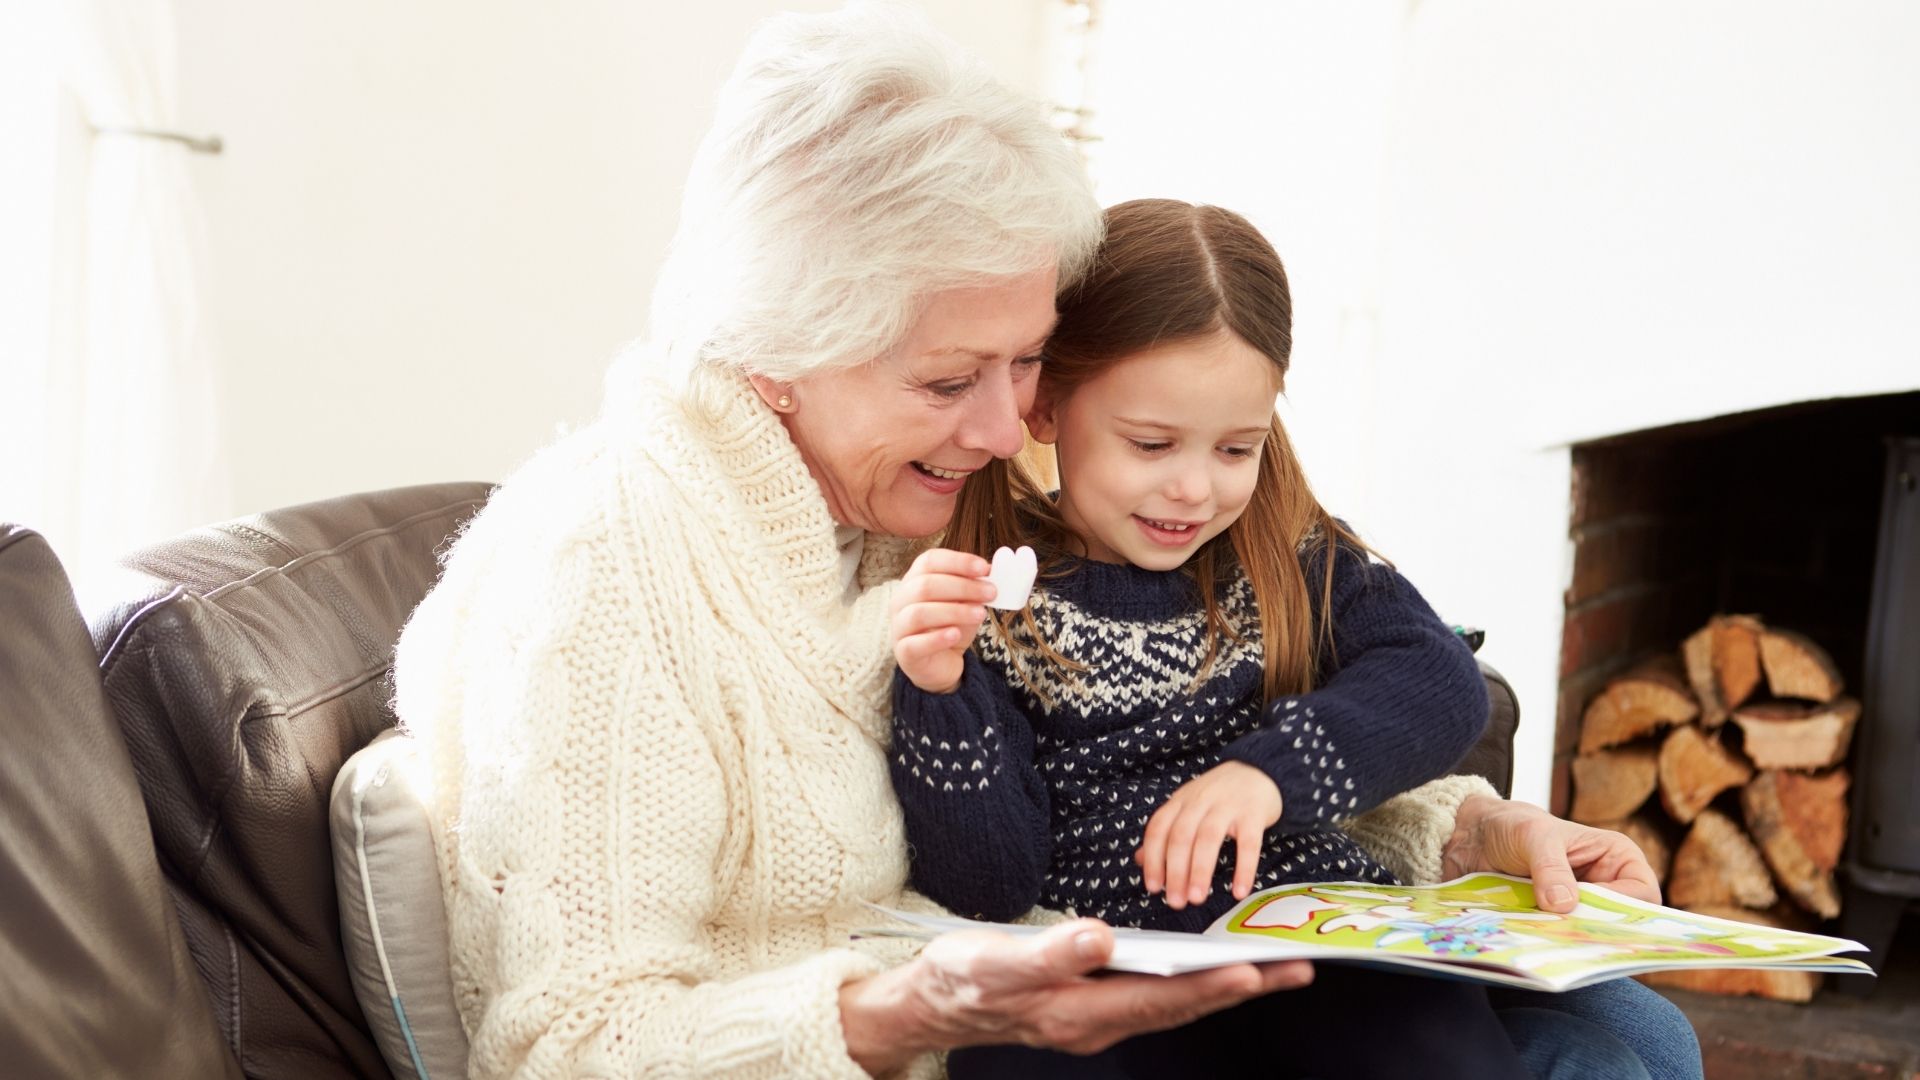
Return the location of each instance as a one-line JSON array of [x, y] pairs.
[[164, 787]]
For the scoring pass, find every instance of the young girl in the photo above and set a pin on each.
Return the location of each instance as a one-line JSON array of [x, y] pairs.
[[1211, 676]]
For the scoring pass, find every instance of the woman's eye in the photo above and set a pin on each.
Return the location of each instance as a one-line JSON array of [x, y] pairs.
[[1029, 363], [951, 390], [1149, 447]]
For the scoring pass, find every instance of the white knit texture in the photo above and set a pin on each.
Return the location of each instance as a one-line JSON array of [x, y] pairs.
[[657, 734], [1408, 833]]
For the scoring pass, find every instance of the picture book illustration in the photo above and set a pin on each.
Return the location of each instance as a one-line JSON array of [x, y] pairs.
[[1484, 927], [1491, 920]]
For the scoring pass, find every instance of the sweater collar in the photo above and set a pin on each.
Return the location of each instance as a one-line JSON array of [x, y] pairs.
[[768, 510], [778, 493], [1121, 591]]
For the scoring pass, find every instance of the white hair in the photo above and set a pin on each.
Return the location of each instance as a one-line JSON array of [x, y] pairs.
[[859, 163]]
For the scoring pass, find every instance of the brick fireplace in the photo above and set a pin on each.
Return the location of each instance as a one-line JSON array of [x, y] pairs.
[[1778, 513], [1774, 511]]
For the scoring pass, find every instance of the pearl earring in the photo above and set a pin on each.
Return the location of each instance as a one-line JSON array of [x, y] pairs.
[[785, 402]]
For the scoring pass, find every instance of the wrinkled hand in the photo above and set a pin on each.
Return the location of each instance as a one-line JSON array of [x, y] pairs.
[[1183, 838], [1522, 839], [980, 988], [937, 610]]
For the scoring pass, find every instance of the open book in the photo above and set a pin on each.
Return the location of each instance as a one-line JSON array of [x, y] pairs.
[[1482, 927]]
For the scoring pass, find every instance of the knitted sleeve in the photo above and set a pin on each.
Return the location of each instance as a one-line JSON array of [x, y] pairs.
[[1400, 702], [592, 828], [1408, 833], [976, 809]]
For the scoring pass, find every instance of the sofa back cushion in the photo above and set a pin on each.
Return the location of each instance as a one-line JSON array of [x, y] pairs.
[[245, 662], [393, 920], [97, 980]]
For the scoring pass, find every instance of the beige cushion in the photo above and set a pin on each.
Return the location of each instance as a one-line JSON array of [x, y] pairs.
[[392, 918]]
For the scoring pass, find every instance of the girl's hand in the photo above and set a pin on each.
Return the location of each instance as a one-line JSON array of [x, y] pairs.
[[978, 987], [1183, 838], [937, 609]]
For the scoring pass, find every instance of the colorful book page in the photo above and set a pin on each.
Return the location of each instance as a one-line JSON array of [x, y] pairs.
[[1490, 922]]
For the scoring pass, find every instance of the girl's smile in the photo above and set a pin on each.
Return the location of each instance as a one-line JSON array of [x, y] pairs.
[[1173, 534]]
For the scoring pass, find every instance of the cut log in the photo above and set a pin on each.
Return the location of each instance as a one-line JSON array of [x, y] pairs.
[[1697, 655], [1775, 983], [1722, 662], [1650, 697], [1736, 657], [1641, 830], [1610, 784], [1797, 668], [1694, 767], [1816, 809], [1792, 735], [1718, 866], [1770, 818], [1646, 835]]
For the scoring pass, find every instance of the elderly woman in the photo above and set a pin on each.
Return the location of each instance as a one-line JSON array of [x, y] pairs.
[[653, 681]]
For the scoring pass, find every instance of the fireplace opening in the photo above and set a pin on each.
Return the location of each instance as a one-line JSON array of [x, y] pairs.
[[1775, 515]]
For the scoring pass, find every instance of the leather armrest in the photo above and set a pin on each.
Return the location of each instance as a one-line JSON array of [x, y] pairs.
[[1492, 756], [98, 980]]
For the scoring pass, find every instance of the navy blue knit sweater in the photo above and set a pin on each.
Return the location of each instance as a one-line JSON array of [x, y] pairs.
[[1015, 798]]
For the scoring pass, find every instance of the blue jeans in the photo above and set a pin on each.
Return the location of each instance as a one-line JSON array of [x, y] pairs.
[[1584, 1032]]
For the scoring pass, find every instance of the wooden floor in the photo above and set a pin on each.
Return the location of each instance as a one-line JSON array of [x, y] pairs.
[[1835, 1035]]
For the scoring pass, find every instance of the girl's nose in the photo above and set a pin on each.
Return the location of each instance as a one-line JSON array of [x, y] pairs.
[[1191, 486]]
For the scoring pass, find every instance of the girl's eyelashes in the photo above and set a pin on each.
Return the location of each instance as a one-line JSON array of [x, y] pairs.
[[1159, 446]]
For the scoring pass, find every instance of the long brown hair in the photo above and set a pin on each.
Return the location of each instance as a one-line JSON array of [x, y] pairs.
[[1170, 271]]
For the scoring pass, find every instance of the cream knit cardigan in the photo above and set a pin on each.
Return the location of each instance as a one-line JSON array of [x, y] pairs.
[[657, 732]]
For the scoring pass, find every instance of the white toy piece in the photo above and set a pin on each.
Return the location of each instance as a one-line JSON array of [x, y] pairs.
[[1013, 573]]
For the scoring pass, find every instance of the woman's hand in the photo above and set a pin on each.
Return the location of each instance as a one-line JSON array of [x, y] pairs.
[[1522, 839], [1183, 838], [937, 609], [981, 988]]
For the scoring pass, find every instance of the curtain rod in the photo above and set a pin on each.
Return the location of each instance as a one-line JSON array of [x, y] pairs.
[[199, 144]]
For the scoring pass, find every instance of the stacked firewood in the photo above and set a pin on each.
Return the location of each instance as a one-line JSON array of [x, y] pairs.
[[1741, 733]]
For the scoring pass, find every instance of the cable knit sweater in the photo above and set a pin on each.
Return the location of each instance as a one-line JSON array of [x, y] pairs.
[[657, 728], [1030, 791]]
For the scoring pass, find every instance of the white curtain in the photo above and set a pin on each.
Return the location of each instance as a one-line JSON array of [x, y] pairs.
[[130, 437], [30, 117]]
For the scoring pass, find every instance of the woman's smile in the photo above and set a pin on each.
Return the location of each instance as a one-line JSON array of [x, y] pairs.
[[943, 481]]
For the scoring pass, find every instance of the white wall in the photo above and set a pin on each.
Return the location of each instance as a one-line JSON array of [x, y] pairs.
[[1512, 225], [434, 221], [29, 111]]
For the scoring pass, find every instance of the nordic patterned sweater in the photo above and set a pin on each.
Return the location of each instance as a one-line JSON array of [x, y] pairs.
[[1014, 800]]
